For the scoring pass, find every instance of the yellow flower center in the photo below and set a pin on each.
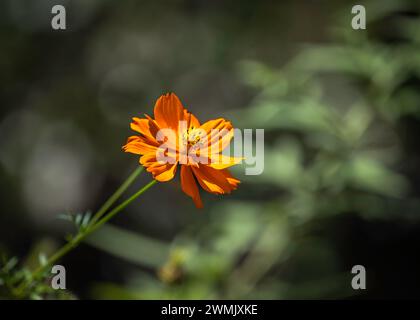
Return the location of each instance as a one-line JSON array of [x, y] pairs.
[[192, 136]]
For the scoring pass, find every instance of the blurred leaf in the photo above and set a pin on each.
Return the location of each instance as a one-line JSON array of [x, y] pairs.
[[282, 165], [371, 175], [130, 246], [42, 259]]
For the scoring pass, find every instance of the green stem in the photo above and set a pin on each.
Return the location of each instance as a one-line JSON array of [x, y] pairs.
[[116, 195], [120, 207], [81, 236]]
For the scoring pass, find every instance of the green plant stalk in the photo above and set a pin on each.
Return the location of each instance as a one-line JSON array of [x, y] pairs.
[[117, 194], [120, 207], [81, 236]]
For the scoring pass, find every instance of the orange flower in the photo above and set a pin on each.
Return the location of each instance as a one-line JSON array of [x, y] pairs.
[[176, 137]]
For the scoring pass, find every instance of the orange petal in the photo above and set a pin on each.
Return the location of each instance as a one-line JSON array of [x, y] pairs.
[[212, 180], [138, 145], [169, 111], [220, 140], [189, 186], [191, 120], [219, 134], [148, 159], [232, 181], [146, 127], [217, 124], [160, 171], [164, 172], [220, 161]]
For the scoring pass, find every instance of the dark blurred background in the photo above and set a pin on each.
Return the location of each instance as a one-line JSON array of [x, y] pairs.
[[340, 109]]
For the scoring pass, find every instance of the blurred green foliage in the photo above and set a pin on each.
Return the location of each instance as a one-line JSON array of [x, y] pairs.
[[330, 117]]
